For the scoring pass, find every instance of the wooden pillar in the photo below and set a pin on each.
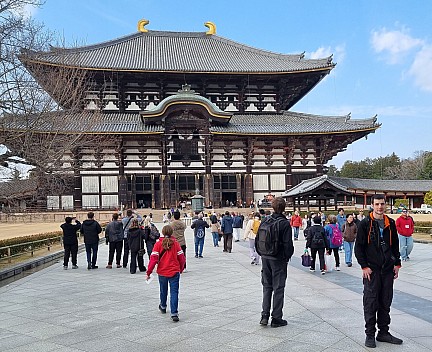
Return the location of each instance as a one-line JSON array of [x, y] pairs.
[[153, 202], [77, 194], [164, 179], [364, 200], [208, 190]]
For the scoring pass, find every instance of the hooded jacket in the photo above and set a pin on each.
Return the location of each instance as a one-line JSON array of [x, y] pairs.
[[179, 228], [227, 224], [135, 239], [368, 250], [349, 231], [91, 229], [405, 226]]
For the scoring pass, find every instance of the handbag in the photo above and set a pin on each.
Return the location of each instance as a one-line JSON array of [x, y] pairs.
[[306, 259]]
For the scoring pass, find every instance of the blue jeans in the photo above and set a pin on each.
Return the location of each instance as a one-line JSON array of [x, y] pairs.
[[93, 247], [174, 283], [199, 242], [296, 232], [215, 239], [406, 245], [348, 248]]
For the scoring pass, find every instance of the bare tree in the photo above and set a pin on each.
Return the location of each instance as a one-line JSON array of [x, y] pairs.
[[409, 169], [38, 129]]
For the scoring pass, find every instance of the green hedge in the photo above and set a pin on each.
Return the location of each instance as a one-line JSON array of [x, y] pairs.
[[21, 243], [423, 226]]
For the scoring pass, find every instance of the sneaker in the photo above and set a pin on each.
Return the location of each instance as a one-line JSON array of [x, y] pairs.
[[253, 262], [312, 269], [185, 271], [74, 266], [118, 266], [264, 320], [88, 266], [323, 272], [163, 310], [196, 255], [65, 267], [200, 256], [370, 341], [94, 267], [109, 266], [175, 318], [275, 323], [224, 250], [349, 265], [407, 258], [337, 268], [389, 338]]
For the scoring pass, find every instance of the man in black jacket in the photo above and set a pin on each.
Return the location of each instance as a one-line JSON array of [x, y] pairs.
[[377, 252], [275, 268], [91, 229], [70, 241]]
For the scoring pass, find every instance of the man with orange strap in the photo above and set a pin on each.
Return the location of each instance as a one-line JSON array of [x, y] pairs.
[[377, 252]]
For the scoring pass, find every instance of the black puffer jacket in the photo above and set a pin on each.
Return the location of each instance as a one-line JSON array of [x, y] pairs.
[[70, 232], [91, 229], [317, 232]]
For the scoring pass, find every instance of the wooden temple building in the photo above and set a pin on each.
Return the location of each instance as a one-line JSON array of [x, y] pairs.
[[193, 112]]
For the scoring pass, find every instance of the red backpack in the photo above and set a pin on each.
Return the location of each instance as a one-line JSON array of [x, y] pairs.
[[337, 238]]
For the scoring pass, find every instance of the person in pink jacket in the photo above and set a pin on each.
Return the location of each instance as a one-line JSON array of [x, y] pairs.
[[405, 229], [170, 260]]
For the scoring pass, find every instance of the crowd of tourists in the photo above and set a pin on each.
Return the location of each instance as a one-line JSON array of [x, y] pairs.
[[374, 239]]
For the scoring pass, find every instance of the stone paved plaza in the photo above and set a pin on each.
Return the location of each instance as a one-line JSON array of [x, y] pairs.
[[220, 304]]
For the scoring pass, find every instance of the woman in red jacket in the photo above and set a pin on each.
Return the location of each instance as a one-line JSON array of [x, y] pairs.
[[405, 229], [169, 257]]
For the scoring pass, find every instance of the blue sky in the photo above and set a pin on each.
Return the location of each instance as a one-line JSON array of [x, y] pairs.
[[383, 51]]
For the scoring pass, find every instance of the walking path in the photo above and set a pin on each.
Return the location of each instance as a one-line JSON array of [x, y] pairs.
[[220, 304]]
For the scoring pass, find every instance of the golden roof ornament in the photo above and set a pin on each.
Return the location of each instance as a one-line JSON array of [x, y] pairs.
[[212, 28], [141, 24]]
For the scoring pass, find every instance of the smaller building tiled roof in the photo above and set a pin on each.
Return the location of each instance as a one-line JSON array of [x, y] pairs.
[[311, 184], [352, 184], [384, 185], [161, 51], [17, 188]]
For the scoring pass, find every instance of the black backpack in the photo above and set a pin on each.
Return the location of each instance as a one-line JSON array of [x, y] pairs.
[[317, 237], [267, 238], [153, 233]]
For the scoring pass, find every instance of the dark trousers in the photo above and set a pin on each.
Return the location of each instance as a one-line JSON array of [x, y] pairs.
[[149, 246], [227, 242], [336, 255], [91, 251], [117, 248], [183, 247], [320, 252], [273, 278], [125, 252], [377, 299], [70, 250], [133, 262]]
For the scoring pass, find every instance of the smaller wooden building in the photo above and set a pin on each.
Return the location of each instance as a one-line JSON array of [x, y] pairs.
[[329, 192]]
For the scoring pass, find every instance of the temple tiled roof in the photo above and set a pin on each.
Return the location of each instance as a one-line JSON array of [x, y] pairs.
[[293, 123], [289, 123], [160, 51], [350, 184]]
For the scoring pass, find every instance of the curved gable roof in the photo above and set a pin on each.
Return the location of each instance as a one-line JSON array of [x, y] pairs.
[[160, 51]]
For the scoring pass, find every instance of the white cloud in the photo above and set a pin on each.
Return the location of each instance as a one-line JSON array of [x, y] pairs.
[[397, 44], [421, 68], [323, 52], [394, 43]]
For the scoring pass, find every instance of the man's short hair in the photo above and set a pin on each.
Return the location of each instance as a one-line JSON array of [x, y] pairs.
[[262, 212], [68, 219], [200, 216], [377, 196], [176, 215], [339, 210], [90, 215], [115, 216], [278, 205], [317, 219], [227, 213], [129, 212]]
